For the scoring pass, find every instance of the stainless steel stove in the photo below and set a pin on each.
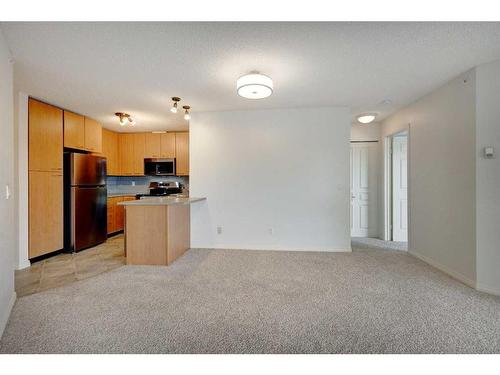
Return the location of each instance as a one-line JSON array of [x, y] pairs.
[[161, 188]]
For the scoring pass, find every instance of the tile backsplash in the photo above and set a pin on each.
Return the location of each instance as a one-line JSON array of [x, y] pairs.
[[139, 184]]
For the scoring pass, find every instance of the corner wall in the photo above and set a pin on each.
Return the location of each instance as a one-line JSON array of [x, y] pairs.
[[285, 170], [8, 243], [441, 176], [488, 177]]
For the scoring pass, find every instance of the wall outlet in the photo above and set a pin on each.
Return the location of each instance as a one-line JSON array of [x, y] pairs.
[[219, 230], [270, 231], [489, 152]]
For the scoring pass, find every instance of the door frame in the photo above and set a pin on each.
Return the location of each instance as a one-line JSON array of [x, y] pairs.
[[388, 214]]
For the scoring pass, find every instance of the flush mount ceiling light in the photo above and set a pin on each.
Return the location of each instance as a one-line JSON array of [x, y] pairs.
[[187, 116], [125, 119], [366, 118], [176, 100], [254, 86]]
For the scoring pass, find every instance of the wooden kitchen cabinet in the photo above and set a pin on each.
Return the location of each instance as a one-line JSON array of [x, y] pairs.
[[116, 213], [82, 133], [111, 220], [153, 145], [182, 153], [74, 131], [93, 135], [160, 145], [110, 151], [119, 216], [45, 137], [167, 145], [45, 178], [126, 153], [139, 140], [46, 216], [132, 147], [112, 201], [111, 215]]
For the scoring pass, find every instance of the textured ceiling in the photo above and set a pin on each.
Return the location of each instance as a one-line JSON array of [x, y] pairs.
[[100, 68]]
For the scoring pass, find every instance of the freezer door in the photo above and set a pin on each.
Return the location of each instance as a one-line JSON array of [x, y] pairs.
[[89, 216], [86, 169]]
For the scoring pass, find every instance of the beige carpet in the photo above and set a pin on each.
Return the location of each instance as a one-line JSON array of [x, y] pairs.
[[222, 301]]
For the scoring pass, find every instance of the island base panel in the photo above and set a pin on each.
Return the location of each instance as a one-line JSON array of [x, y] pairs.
[[156, 235]]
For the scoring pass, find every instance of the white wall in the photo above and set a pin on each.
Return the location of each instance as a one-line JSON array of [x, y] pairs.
[[365, 132], [282, 169], [441, 175], [7, 220], [488, 177]]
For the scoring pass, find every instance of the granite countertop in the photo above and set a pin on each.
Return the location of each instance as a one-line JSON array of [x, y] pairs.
[[161, 201]]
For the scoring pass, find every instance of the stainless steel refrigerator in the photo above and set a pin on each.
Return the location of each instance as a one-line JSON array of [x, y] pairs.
[[85, 201]]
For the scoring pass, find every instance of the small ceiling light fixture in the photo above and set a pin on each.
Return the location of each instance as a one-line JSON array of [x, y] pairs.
[[254, 86], [125, 119], [176, 100], [366, 118], [186, 108]]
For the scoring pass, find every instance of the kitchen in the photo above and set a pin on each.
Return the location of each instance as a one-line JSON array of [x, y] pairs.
[[81, 176]]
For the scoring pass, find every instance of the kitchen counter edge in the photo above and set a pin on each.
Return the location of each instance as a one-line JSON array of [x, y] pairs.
[[161, 201]]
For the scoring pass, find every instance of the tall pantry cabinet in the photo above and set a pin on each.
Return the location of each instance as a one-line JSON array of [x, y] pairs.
[[45, 172]]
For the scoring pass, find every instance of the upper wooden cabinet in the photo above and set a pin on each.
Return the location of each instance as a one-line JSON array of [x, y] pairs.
[[45, 137], [182, 154], [139, 152], [167, 148], [153, 145], [126, 153], [82, 133], [74, 130], [110, 151], [160, 145], [93, 135]]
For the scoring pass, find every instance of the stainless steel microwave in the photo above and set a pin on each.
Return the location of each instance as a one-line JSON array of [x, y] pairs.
[[159, 167]]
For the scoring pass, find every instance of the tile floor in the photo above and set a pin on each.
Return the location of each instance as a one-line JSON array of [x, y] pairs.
[[63, 269]]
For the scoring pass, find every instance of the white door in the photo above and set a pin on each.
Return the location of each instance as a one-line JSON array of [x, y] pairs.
[[399, 188], [364, 175]]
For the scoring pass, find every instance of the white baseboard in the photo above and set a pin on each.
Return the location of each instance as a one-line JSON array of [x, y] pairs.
[[347, 249], [23, 264], [488, 289], [456, 275], [4, 318]]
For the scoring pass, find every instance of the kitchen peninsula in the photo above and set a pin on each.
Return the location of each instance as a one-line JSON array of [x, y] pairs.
[[157, 230]]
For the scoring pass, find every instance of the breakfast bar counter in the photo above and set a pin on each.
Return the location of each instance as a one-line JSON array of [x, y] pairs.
[[157, 230]]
